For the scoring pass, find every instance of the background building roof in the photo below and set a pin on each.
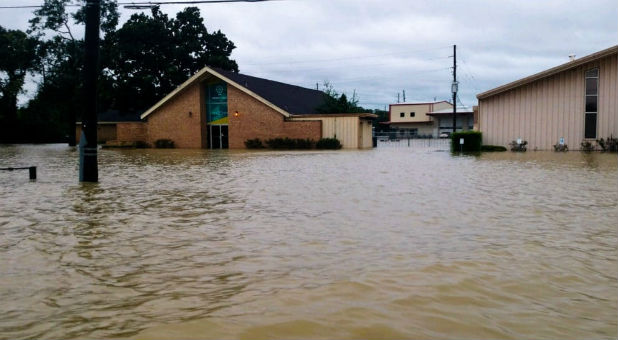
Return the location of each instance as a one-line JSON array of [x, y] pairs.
[[449, 111]]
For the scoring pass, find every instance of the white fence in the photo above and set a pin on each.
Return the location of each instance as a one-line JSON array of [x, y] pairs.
[[434, 144]]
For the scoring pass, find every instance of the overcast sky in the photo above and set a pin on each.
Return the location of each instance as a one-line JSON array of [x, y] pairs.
[[380, 48]]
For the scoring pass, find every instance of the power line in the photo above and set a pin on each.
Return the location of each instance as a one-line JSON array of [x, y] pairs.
[[147, 3]]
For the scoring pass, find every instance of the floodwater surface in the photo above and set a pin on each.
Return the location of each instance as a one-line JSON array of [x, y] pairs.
[[384, 243]]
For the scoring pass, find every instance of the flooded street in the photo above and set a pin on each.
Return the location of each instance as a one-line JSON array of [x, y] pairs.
[[384, 243]]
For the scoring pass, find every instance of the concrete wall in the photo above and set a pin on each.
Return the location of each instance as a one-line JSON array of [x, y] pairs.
[[179, 119], [257, 120], [545, 110]]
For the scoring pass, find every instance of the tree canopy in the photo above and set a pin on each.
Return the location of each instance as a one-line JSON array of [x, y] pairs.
[[338, 103], [142, 61], [139, 70]]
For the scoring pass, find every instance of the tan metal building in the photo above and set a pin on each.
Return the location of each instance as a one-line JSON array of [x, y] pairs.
[[575, 101], [412, 118]]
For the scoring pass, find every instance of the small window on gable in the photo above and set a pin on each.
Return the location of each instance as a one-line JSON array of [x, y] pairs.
[[402, 114], [412, 114]]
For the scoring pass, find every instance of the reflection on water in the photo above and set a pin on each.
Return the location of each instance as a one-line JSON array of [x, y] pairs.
[[387, 243]]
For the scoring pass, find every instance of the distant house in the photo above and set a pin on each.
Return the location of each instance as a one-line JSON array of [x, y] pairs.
[[572, 102], [218, 109], [427, 119]]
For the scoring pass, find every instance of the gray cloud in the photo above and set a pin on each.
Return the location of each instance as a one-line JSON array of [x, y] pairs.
[[379, 48]]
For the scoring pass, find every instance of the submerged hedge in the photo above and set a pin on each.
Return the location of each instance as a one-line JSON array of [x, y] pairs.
[[491, 148], [293, 144], [472, 141], [328, 143]]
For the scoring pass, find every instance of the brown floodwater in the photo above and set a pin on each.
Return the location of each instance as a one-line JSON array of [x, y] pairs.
[[394, 242]]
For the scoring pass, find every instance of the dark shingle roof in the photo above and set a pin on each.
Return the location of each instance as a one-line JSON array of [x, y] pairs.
[[291, 98], [117, 116]]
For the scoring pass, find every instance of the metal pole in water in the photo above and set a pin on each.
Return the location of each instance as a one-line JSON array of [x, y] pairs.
[[88, 167]]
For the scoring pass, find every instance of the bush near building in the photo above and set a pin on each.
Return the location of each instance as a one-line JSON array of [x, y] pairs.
[[328, 143], [492, 148], [255, 143], [164, 144], [472, 141], [289, 143]]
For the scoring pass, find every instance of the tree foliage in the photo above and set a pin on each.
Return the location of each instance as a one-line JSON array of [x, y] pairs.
[[140, 62], [338, 103], [17, 57], [139, 70]]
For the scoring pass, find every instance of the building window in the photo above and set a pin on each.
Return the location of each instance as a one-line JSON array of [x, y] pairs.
[[412, 114], [592, 101], [402, 114]]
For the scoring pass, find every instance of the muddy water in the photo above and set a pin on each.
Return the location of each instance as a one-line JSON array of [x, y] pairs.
[[387, 243]]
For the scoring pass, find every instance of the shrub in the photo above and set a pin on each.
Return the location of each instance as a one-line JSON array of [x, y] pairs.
[[328, 143], [303, 143], [586, 146], [561, 147], [255, 143], [610, 144], [281, 143], [491, 148], [472, 141], [140, 144], [518, 147], [164, 144]]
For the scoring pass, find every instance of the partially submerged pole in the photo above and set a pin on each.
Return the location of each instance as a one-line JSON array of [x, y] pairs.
[[88, 168]]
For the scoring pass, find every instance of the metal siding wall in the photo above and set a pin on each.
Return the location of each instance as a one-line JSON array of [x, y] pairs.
[[345, 128], [544, 111]]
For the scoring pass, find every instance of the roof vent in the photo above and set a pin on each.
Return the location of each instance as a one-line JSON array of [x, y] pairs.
[[571, 57]]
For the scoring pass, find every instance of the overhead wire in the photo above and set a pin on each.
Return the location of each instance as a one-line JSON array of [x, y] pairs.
[[148, 3]]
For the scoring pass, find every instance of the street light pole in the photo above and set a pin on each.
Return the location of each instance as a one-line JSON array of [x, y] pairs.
[[454, 88], [88, 167]]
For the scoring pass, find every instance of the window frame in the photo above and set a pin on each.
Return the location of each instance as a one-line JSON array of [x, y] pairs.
[[591, 116]]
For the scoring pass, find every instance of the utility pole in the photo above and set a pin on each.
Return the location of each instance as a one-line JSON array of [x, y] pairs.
[[397, 97], [454, 88], [404, 96], [88, 167]]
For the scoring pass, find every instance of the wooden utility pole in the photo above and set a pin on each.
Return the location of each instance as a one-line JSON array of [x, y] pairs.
[[454, 88], [88, 167]]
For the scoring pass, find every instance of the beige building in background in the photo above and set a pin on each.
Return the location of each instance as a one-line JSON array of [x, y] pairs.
[[575, 101], [413, 118]]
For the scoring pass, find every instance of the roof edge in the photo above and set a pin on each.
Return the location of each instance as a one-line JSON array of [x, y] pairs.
[[327, 115], [198, 76], [549, 72]]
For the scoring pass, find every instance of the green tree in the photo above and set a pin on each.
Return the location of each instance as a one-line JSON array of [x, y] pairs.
[[61, 59], [17, 58], [140, 70], [339, 103]]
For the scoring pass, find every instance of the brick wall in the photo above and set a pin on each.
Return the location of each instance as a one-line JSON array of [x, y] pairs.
[[131, 132], [173, 121], [257, 120], [105, 132]]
